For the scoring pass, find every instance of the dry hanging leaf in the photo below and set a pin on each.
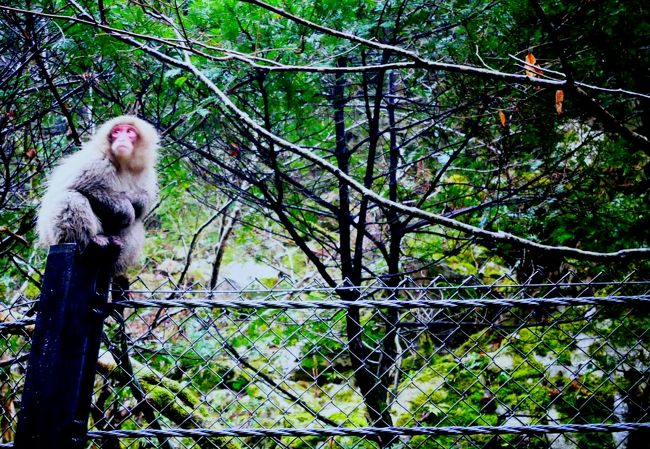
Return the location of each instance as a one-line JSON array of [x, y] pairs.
[[531, 66], [31, 153], [234, 150], [502, 118], [559, 98]]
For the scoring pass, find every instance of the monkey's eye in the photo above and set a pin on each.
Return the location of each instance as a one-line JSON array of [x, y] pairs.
[[129, 131]]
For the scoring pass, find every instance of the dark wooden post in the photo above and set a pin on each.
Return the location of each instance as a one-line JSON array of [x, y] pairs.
[[61, 371]]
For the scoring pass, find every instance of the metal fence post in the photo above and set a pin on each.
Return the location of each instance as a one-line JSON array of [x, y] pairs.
[[60, 376]]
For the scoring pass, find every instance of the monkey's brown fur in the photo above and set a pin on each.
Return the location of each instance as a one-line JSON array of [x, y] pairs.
[[92, 195]]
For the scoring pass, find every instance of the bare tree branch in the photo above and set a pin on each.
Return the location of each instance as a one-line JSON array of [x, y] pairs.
[[432, 218]]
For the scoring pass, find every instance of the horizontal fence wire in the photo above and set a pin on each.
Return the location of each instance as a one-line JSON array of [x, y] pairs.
[[375, 431], [388, 304], [563, 364], [17, 324]]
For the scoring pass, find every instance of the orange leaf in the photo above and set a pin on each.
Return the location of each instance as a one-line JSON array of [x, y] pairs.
[[532, 69], [502, 118], [31, 153], [559, 98]]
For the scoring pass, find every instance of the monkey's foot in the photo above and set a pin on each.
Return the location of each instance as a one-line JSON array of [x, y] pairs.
[[106, 246], [121, 288], [101, 240]]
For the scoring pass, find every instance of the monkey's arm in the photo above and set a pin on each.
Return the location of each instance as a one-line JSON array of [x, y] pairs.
[[112, 207]]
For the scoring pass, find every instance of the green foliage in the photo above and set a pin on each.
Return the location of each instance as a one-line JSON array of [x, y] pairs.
[[528, 371]]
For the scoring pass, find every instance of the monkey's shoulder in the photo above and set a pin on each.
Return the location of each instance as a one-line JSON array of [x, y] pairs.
[[84, 161], [81, 167]]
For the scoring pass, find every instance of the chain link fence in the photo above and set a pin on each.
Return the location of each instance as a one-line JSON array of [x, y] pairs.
[[564, 364]]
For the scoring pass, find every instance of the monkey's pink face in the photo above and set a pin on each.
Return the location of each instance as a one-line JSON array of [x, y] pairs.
[[123, 139]]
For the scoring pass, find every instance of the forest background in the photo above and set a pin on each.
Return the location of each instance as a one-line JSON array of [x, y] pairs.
[[364, 139], [344, 141]]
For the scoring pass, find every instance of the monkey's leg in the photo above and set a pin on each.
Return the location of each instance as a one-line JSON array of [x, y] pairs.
[[76, 221], [132, 243], [139, 199]]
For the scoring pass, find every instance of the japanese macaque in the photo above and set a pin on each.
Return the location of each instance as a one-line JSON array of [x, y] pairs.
[[100, 194]]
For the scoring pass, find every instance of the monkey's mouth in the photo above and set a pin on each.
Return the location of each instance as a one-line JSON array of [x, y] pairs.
[[122, 150]]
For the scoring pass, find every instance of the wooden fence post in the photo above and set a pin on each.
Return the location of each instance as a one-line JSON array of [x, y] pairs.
[[60, 375]]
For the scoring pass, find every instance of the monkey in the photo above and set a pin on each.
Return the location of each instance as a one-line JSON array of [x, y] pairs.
[[100, 194]]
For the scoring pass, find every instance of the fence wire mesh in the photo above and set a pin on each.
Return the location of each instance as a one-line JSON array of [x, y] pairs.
[[563, 364], [16, 327]]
